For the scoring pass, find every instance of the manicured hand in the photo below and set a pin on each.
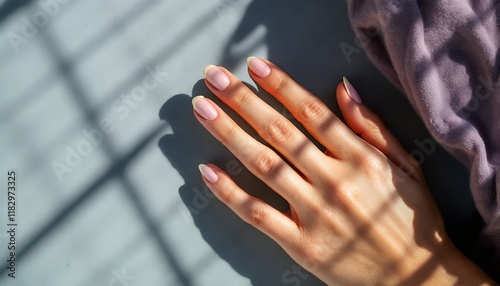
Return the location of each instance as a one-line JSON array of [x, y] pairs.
[[360, 211]]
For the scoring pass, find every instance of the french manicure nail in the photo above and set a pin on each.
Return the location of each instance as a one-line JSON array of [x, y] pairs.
[[351, 91], [204, 108], [258, 67], [216, 77], [208, 173]]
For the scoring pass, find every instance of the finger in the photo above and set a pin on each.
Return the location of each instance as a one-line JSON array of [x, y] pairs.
[[257, 213], [258, 158], [271, 125], [370, 127], [316, 117]]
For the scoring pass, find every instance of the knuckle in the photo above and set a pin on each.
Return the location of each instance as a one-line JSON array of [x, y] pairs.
[[255, 215], [278, 131], [316, 255], [338, 190], [312, 253], [265, 164], [311, 109], [241, 98], [228, 196], [372, 164], [374, 125], [282, 84], [227, 134]]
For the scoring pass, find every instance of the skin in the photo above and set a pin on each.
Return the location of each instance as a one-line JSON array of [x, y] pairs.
[[360, 212]]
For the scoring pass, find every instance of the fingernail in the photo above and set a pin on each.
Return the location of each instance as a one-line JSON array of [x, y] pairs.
[[208, 173], [216, 77], [351, 91], [204, 108], [258, 67]]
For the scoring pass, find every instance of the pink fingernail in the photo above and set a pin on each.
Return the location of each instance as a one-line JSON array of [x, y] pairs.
[[351, 91], [208, 173], [204, 108], [258, 67], [216, 77]]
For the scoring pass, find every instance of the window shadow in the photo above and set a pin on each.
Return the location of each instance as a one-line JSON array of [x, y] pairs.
[[10, 7]]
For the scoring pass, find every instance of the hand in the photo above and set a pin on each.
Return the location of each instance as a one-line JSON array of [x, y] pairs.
[[360, 213]]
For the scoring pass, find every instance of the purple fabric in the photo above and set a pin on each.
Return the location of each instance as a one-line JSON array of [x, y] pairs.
[[444, 56]]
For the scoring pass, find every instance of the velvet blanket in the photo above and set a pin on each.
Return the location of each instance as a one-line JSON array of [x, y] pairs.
[[444, 56]]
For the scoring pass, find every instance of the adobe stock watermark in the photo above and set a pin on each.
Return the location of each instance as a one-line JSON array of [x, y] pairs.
[[30, 26], [120, 108], [120, 278], [297, 274], [202, 199]]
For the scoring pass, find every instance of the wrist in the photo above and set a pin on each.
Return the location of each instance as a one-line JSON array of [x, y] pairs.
[[443, 265]]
